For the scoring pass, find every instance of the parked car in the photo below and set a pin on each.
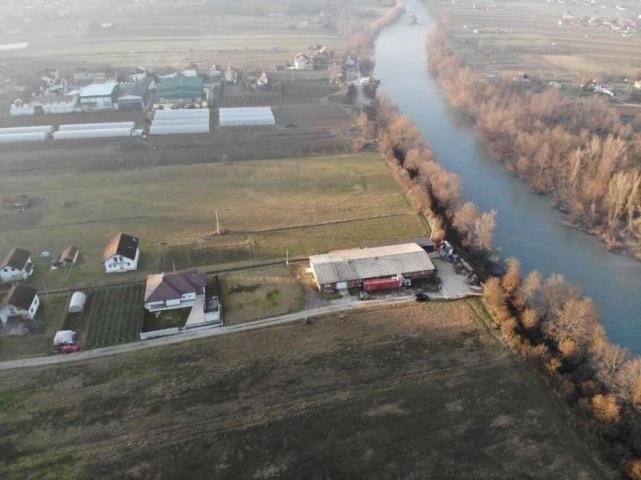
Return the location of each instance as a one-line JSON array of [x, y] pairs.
[[422, 297], [69, 348]]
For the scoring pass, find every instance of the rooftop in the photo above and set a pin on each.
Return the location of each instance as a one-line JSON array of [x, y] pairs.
[[170, 286], [121, 244], [20, 296], [99, 89], [363, 263], [17, 258], [180, 88]]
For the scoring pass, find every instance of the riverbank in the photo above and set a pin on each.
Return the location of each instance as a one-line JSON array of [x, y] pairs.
[[575, 150], [528, 227]]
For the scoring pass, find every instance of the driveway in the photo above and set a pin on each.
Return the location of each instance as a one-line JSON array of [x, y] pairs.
[[453, 285]]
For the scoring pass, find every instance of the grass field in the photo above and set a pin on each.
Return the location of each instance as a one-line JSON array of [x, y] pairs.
[[418, 391], [260, 293], [265, 207]]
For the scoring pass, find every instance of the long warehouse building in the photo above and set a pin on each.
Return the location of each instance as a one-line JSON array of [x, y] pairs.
[[343, 269]]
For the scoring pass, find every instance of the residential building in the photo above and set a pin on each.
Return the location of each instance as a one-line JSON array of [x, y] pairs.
[[121, 254], [342, 269], [16, 266], [168, 291], [99, 97], [303, 62], [231, 76], [179, 91], [21, 302]]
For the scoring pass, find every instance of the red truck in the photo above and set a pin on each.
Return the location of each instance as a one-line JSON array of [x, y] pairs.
[[379, 284]]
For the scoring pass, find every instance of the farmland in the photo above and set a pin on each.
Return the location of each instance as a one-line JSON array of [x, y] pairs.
[[384, 393], [265, 207], [112, 315], [509, 38]]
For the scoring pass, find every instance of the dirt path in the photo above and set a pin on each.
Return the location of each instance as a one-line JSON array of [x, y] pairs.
[[198, 333]]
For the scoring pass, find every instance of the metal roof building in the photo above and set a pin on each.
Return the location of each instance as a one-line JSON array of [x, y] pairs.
[[348, 268], [188, 89]]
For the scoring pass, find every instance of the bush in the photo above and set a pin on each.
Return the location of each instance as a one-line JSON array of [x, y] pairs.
[[606, 408]]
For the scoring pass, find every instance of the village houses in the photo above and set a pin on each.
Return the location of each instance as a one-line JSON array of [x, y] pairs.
[[21, 302], [121, 254], [168, 291], [16, 266]]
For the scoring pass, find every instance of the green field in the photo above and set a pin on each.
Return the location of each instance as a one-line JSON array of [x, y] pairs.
[[265, 207], [415, 391]]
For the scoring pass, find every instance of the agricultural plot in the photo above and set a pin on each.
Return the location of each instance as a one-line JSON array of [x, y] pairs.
[[413, 391], [316, 116], [533, 37], [306, 205], [112, 315]]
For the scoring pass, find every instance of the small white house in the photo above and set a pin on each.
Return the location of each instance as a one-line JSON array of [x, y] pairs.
[[168, 291], [21, 302], [16, 266], [303, 62], [121, 254]]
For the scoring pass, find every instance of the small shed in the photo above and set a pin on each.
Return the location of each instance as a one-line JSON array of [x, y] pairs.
[[77, 302], [69, 256]]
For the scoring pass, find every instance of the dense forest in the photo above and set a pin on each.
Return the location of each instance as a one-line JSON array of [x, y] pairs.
[[577, 150]]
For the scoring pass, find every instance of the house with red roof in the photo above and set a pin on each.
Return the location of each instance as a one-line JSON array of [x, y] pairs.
[[168, 291]]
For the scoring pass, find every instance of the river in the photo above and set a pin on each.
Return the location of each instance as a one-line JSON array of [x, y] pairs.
[[529, 227]]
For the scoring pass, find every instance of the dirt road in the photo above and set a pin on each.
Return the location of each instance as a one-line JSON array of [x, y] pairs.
[[197, 333]]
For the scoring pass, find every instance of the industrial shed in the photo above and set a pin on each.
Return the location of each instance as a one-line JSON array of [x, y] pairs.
[[179, 90], [349, 268], [99, 97], [246, 116]]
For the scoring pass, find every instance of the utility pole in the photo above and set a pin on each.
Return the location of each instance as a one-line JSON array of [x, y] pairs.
[[217, 224], [287, 257]]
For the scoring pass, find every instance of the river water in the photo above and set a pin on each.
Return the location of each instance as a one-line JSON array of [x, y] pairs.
[[529, 228]]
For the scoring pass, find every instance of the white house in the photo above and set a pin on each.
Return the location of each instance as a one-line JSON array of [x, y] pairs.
[[99, 97], [121, 254], [21, 302], [303, 62], [16, 266], [231, 76], [168, 291]]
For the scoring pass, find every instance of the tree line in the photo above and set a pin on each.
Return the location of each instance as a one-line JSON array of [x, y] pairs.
[[556, 328], [434, 191], [576, 150]]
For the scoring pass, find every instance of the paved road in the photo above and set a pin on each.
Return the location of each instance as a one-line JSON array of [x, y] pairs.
[[197, 333]]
